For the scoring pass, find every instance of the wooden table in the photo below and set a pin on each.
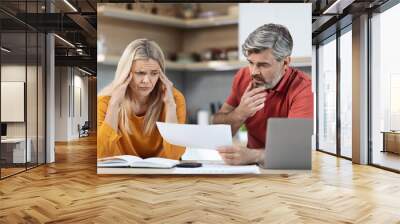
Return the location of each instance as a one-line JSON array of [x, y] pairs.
[[14, 152], [391, 141], [197, 171]]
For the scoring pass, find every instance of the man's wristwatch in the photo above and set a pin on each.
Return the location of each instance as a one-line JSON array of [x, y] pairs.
[[260, 159]]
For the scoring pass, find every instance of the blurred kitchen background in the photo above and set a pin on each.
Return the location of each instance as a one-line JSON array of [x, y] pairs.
[[201, 42]]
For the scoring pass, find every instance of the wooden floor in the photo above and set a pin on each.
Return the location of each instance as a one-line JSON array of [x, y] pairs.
[[387, 159], [5, 172], [10, 171], [70, 191]]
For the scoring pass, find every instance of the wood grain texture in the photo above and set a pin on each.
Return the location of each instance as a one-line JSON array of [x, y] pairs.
[[199, 40], [70, 191], [119, 33]]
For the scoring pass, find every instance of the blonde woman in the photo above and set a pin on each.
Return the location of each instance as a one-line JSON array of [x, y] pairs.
[[129, 107]]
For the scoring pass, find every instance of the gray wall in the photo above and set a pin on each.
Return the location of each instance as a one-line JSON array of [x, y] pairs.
[[203, 88], [105, 74]]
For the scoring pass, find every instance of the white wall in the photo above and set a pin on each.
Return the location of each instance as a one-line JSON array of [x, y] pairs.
[[80, 84], [105, 75], [33, 126], [12, 73], [61, 103], [68, 83], [296, 17], [12, 100]]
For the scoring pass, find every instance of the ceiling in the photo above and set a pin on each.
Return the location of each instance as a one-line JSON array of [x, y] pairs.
[[77, 24]]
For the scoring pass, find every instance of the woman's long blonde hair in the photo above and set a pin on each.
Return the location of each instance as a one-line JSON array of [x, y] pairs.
[[140, 49]]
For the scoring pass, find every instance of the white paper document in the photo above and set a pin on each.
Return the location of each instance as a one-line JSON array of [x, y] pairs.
[[201, 155], [219, 169], [196, 136]]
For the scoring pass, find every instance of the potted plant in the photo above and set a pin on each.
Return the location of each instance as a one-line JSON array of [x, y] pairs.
[[242, 134]]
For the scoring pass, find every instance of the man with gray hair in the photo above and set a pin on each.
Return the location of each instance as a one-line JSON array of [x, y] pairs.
[[268, 87]]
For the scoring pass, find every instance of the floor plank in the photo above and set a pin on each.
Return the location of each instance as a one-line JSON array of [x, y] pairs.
[[70, 191], [387, 159]]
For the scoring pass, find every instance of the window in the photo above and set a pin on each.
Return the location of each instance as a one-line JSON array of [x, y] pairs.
[[385, 89], [327, 96], [22, 67], [346, 94]]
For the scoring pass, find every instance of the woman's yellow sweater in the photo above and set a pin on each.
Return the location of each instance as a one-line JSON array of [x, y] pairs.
[[111, 143]]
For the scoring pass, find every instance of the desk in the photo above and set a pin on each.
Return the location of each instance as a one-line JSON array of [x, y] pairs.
[[391, 141], [15, 148], [186, 171]]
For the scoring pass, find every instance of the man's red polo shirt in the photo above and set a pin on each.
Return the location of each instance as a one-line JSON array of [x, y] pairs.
[[292, 97]]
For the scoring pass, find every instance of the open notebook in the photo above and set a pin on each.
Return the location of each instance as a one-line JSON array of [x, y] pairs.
[[134, 161]]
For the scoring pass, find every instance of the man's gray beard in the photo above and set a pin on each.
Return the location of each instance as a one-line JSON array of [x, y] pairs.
[[272, 84]]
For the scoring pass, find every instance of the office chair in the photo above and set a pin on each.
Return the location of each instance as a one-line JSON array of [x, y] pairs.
[[84, 130]]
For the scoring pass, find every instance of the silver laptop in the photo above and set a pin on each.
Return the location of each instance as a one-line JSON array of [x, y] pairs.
[[288, 144]]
